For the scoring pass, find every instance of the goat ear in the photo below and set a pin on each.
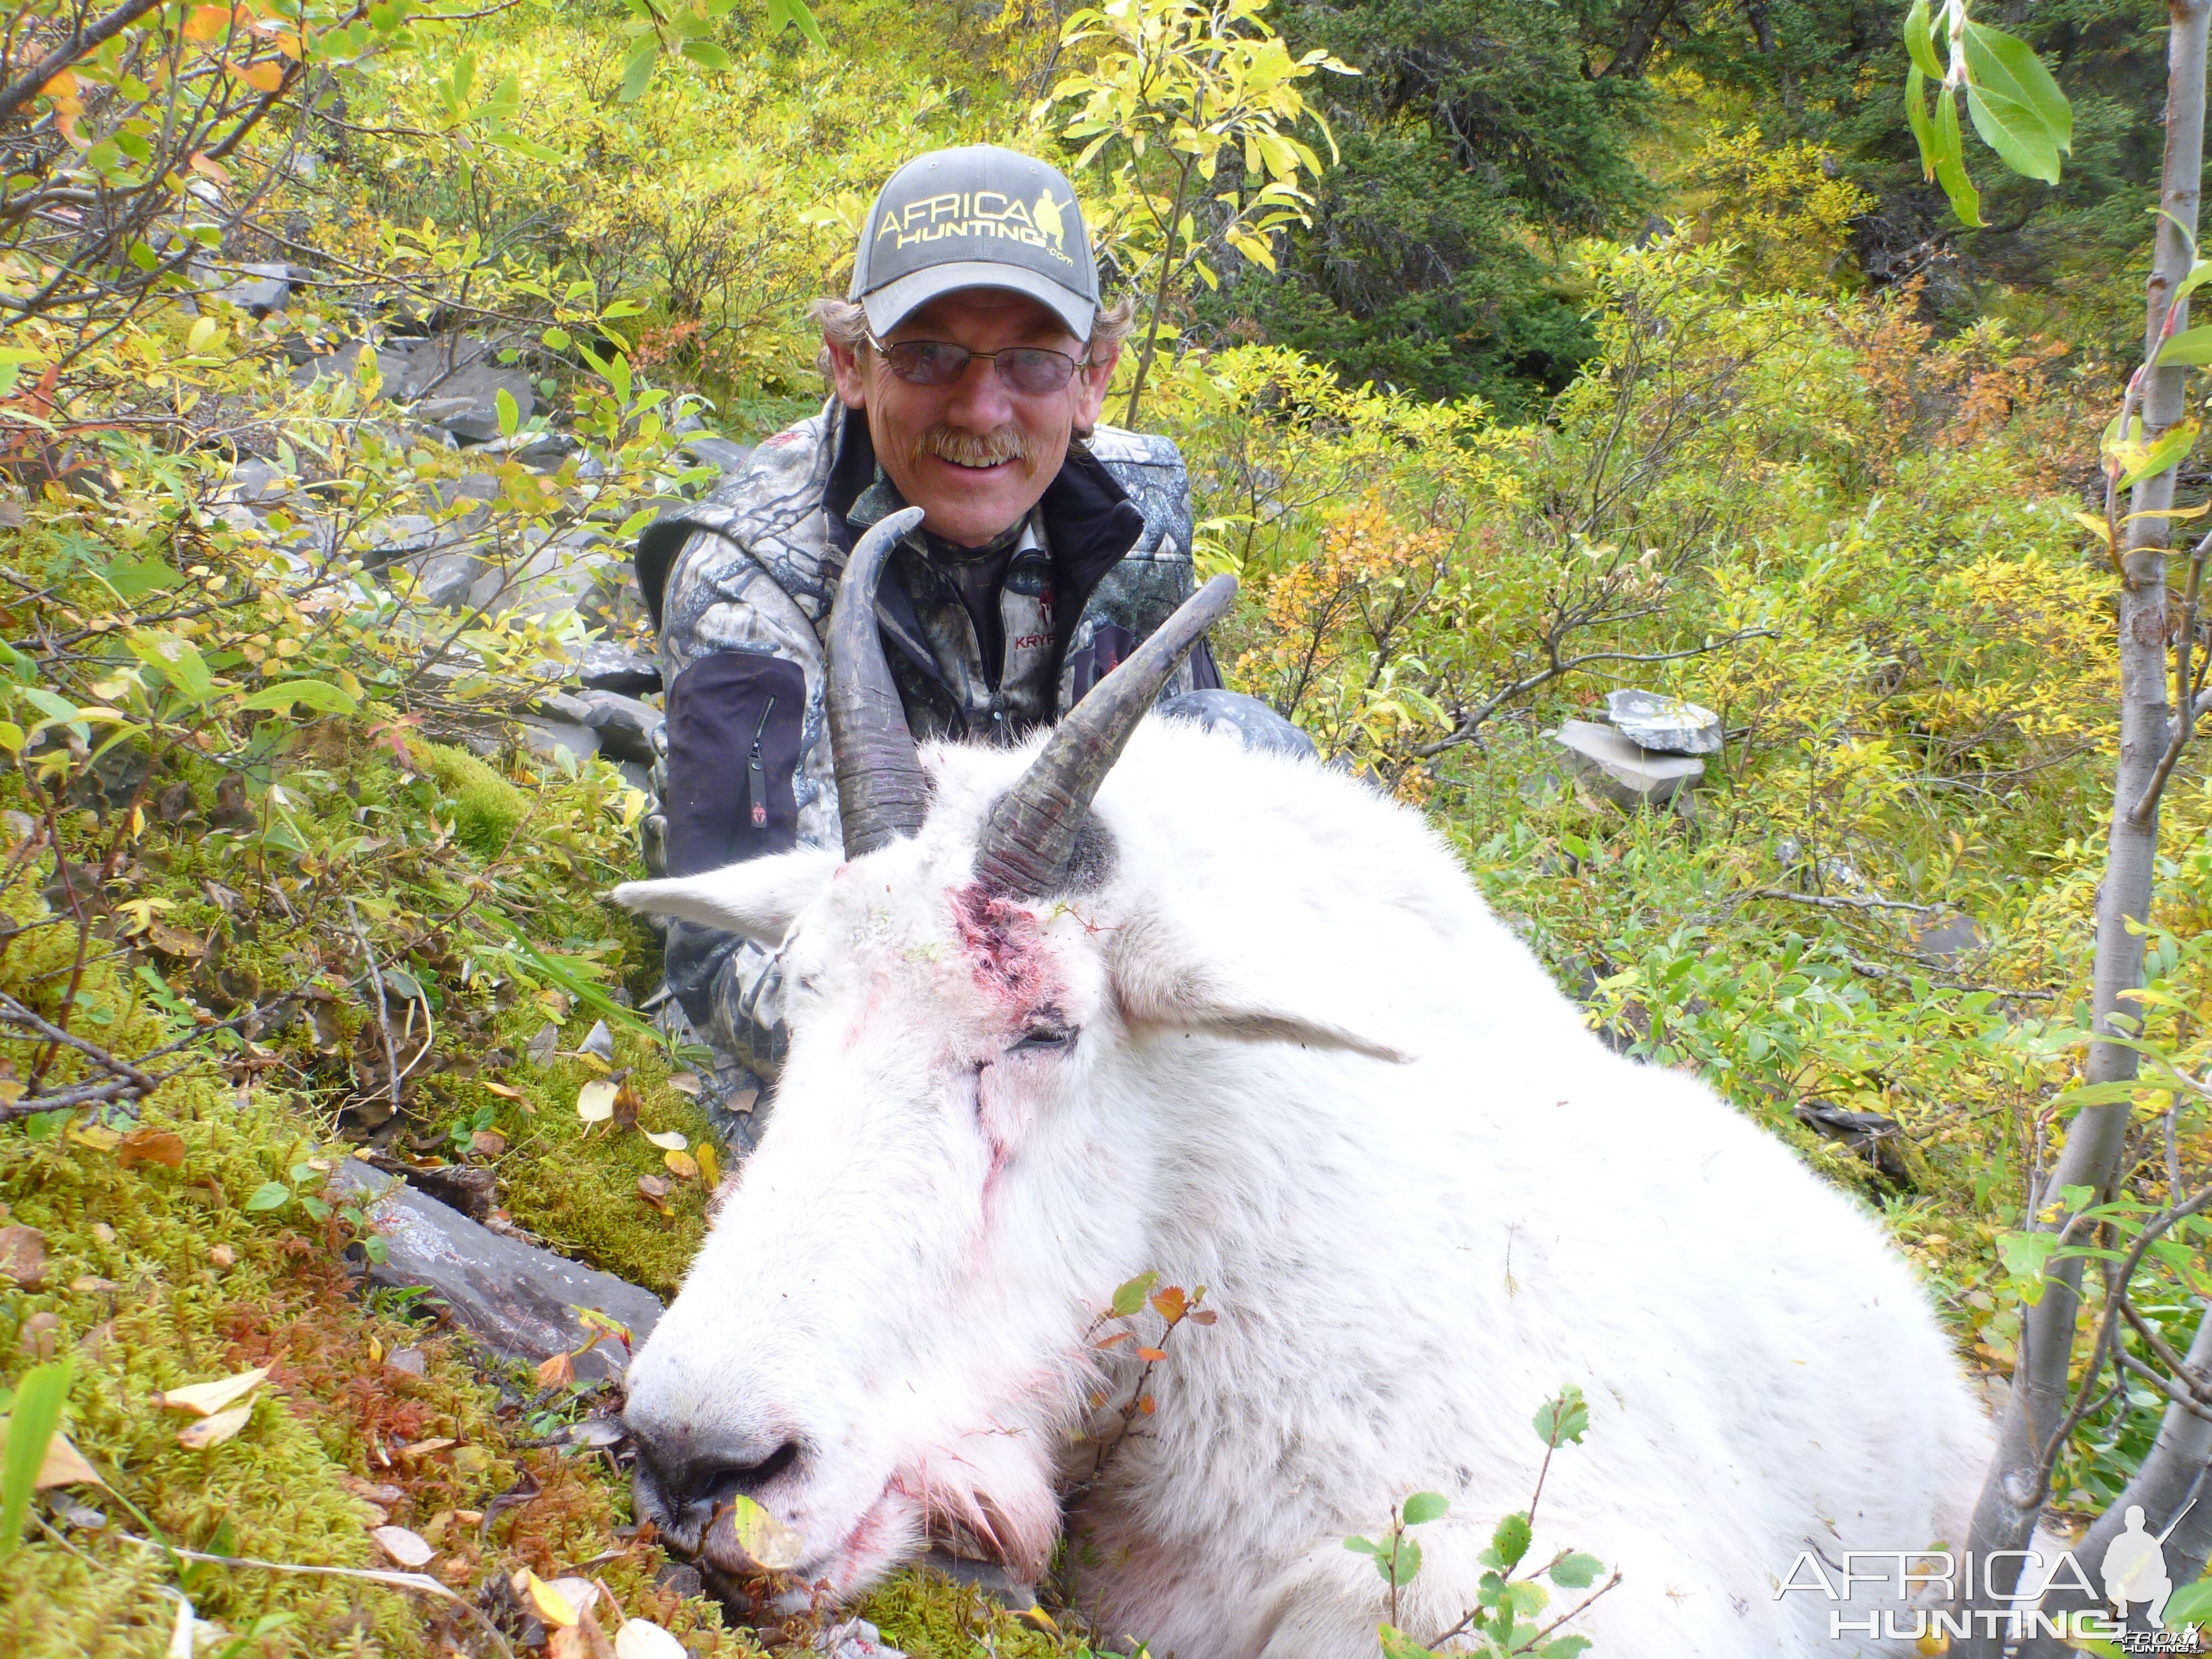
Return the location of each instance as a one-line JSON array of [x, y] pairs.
[[759, 898], [1271, 991]]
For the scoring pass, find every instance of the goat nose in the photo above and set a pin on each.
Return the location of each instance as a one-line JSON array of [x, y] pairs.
[[717, 1481], [691, 1469]]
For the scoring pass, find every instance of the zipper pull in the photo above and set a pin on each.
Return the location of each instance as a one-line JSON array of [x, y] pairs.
[[757, 775]]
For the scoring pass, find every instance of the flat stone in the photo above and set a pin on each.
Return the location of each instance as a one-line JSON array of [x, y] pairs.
[[1621, 772], [549, 737], [259, 288], [559, 706], [625, 725], [446, 580], [1667, 725], [521, 1300], [343, 364], [612, 668]]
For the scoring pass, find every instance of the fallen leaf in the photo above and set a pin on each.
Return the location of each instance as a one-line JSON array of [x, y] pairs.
[[206, 1398], [541, 1048], [641, 1638], [174, 943], [163, 1146], [580, 1594], [93, 1285], [62, 1465], [505, 1092], [488, 1143], [98, 1136], [626, 1105], [669, 1139], [551, 1606], [742, 1101], [405, 1547], [710, 1173], [682, 1165], [654, 1191], [23, 1256], [423, 1448], [595, 1102], [214, 1430], [600, 1041], [583, 1640], [772, 1544], [684, 1082], [372, 1491], [558, 1372]]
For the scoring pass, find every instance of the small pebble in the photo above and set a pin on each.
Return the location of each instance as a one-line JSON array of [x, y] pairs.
[[409, 1360]]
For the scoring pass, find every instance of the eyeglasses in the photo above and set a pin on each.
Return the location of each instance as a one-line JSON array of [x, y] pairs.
[[1033, 370]]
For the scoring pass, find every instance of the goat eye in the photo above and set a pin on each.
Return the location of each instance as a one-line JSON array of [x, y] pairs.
[[1042, 1036]]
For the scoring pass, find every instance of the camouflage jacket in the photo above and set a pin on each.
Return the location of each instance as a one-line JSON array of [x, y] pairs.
[[740, 586]]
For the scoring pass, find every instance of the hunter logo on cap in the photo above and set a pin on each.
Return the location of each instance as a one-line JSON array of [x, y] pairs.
[[978, 216]]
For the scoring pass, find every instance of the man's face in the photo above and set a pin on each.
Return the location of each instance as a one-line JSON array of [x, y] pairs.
[[974, 454]]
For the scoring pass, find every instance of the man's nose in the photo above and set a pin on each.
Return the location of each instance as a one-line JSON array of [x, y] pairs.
[[979, 399]]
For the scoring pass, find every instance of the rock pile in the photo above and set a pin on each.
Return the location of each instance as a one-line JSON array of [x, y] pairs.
[[1648, 756]]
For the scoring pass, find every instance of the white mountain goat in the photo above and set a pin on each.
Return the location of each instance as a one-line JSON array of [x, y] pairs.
[[1227, 1016]]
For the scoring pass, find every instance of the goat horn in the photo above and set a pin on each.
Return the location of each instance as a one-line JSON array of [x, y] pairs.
[[882, 793], [1029, 842]]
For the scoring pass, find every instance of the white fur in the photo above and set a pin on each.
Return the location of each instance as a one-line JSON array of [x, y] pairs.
[[1409, 1254]]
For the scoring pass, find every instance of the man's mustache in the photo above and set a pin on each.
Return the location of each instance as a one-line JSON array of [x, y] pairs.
[[963, 448]]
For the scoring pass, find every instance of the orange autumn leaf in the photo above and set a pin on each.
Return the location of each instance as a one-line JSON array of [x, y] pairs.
[[1152, 1355], [216, 170], [142, 1145], [263, 76], [208, 23], [1171, 1303]]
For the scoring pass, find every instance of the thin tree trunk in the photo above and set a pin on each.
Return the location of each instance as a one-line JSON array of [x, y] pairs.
[[1160, 296], [2170, 1475], [2012, 1495]]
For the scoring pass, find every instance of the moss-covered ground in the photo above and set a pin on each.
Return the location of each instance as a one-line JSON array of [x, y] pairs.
[[159, 1271]]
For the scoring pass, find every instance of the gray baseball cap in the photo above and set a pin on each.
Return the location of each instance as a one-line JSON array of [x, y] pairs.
[[979, 216]]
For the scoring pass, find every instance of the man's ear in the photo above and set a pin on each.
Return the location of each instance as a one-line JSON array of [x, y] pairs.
[[1089, 384], [759, 898], [1264, 991], [850, 373]]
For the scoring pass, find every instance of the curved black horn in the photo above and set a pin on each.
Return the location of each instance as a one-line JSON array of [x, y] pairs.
[[882, 793], [1030, 840]]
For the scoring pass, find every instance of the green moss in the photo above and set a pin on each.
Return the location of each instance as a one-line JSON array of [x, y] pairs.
[[928, 1616], [486, 806], [576, 1184]]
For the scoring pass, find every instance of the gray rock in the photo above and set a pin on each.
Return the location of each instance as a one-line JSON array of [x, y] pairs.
[[855, 1638], [519, 1299], [1948, 937], [1612, 767], [637, 777], [541, 451], [398, 535], [725, 456], [1667, 724], [551, 738], [559, 706], [259, 288], [255, 480], [446, 580], [625, 725], [464, 394], [344, 365], [612, 668]]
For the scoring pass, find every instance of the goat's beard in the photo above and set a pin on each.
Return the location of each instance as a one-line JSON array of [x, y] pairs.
[[1003, 443]]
